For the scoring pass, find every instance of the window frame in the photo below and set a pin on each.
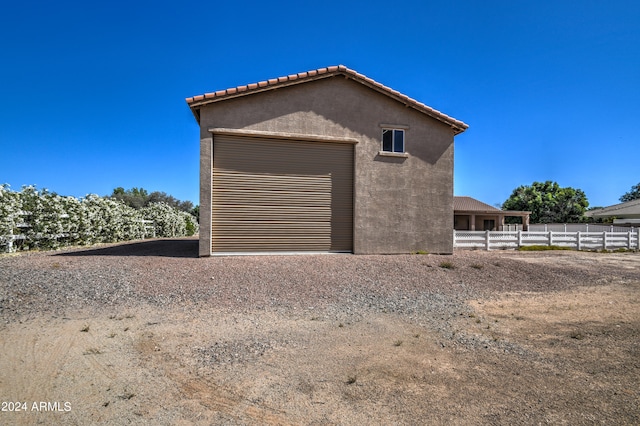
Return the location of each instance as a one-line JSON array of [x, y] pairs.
[[395, 130]]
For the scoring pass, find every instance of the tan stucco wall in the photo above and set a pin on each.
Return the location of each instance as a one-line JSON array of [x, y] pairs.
[[497, 222], [206, 146], [401, 204], [461, 222]]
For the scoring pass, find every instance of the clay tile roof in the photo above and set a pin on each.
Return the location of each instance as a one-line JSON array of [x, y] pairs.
[[469, 204], [196, 102]]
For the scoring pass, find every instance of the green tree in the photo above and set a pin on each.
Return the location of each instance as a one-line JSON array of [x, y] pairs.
[[140, 197], [548, 202], [163, 197], [634, 194], [134, 197]]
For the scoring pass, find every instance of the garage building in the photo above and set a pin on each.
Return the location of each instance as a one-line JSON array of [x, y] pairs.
[[323, 161]]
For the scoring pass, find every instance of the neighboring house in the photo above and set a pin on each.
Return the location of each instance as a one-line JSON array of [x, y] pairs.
[[323, 161], [622, 214], [473, 215]]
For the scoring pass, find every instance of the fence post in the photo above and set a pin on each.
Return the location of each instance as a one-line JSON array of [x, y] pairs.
[[629, 234], [550, 238], [519, 239], [604, 240], [578, 241], [486, 239]]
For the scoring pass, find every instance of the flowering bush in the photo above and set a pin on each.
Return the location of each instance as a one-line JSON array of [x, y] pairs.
[[10, 212], [167, 220], [45, 220]]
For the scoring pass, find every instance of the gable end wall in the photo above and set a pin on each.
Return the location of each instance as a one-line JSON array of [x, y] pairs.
[[401, 205]]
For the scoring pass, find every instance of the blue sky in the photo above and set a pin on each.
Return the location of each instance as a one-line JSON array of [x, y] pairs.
[[92, 93]]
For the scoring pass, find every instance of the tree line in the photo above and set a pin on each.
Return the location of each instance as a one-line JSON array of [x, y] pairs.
[[548, 202], [138, 198]]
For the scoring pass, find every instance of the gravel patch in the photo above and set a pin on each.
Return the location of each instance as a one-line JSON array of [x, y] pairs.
[[475, 337], [432, 289]]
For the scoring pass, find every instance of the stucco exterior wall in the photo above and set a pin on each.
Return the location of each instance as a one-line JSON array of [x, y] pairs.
[[206, 153], [401, 205]]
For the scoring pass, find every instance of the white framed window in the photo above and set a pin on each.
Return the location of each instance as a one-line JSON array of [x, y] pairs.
[[393, 140]]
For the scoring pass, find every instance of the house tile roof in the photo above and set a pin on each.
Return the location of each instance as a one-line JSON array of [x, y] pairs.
[[469, 204], [628, 209], [195, 102]]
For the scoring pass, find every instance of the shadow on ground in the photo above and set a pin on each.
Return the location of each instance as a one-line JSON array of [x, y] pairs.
[[163, 248]]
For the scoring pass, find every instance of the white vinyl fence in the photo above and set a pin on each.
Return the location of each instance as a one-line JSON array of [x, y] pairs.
[[491, 240], [7, 242], [575, 227]]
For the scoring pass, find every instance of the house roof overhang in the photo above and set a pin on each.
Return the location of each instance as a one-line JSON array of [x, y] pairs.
[[630, 209], [492, 212], [197, 102], [463, 205]]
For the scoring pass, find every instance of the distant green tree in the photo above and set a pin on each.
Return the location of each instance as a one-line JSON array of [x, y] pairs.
[[163, 197], [548, 202], [134, 197], [140, 197], [634, 194], [591, 219]]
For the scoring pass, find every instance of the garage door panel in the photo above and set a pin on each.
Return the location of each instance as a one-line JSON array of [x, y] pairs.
[[228, 178], [253, 213], [267, 198], [275, 229], [271, 195]]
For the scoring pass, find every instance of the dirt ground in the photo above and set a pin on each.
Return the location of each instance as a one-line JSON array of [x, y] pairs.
[[559, 357]]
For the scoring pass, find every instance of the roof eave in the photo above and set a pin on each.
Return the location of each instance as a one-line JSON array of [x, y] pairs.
[[196, 102], [456, 125], [503, 212]]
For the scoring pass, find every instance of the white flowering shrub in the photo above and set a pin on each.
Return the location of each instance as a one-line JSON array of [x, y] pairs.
[[44, 220], [43, 216], [168, 221], [10, 215], [109, 220], [190, 222]]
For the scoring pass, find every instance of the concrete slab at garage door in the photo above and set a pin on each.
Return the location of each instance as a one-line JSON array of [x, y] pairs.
[[271, 195]]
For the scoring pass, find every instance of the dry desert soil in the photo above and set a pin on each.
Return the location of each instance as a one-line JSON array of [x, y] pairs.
[[147, 333]]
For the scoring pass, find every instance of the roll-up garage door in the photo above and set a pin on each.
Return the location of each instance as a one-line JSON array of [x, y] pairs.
[[272, 195]]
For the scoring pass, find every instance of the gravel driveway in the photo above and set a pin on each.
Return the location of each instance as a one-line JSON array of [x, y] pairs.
[[161, 336], [168, 272]]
